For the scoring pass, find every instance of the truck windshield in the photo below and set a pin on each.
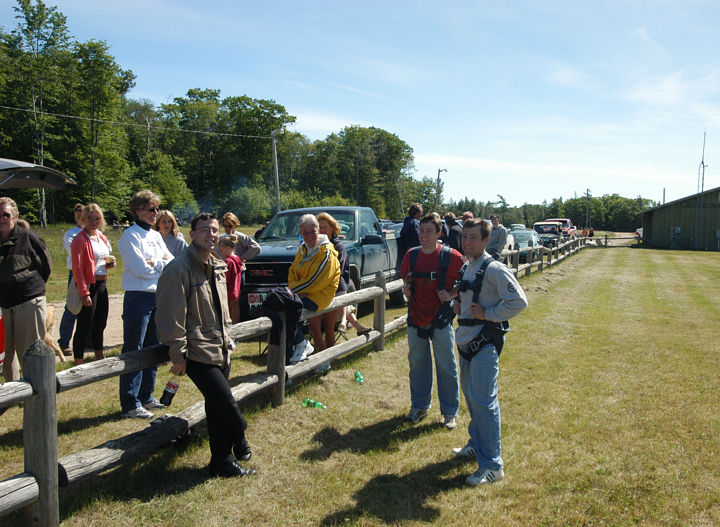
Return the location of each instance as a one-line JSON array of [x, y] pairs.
[[284, 226]]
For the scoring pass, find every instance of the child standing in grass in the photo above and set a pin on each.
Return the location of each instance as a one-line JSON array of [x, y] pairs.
[[233, 277]]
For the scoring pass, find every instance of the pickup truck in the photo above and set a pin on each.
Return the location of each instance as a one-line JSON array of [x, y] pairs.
[[369, 250], [550, 232], [568, 229]]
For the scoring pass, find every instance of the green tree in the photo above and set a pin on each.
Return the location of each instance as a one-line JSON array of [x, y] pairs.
[[157, 173]]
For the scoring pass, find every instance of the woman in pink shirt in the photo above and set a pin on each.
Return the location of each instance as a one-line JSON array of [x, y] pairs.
[[90, 255]]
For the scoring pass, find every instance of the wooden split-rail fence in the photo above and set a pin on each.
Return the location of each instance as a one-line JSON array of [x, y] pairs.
[[37, 488]]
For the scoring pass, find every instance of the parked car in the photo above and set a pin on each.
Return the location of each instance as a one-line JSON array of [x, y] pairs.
[[517, 227], [550, 232], [568, 229], [526, 238]]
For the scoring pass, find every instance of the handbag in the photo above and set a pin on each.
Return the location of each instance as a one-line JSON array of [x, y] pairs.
[[73, 300]]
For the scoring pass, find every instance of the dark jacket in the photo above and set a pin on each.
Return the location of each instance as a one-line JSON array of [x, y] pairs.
[[24, 267], [344, 265], [409, 238], [454, 239]]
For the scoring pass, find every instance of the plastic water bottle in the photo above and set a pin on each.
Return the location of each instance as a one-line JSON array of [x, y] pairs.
[[359, 378], [313, 404], [170, 388]]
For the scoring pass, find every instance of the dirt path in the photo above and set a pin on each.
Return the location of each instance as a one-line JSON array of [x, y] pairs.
[[114, 329]]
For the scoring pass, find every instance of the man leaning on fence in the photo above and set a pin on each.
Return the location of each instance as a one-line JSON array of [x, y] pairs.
[[193, 319], [489, 296], [24, 270]]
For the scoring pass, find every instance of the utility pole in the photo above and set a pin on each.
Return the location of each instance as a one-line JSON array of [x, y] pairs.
[[437, 189], [273, 135], [587, 209], [699, 204]]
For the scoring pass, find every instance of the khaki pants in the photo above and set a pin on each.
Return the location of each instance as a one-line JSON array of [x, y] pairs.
[[24, 324]]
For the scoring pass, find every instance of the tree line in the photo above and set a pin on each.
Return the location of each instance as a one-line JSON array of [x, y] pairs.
[[65, 105]]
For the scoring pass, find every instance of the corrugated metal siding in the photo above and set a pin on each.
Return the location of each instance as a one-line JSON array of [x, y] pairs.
[[674, 225]]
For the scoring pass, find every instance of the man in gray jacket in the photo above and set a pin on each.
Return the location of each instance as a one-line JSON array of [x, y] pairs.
[[489, 295], [498, 238], [192, 319]]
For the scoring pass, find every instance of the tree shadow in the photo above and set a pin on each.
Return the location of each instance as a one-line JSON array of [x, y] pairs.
[[396, 499], [383, 435]]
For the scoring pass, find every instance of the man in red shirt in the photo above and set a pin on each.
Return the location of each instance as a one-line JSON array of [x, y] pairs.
[[430, 272]]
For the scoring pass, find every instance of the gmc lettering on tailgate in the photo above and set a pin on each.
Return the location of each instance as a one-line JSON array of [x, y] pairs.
[[261, 272]]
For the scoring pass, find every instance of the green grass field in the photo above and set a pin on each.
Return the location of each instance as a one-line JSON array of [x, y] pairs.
[[609, 392]]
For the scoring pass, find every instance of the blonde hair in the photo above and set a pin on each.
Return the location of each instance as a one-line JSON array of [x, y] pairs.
[[231, 219], [163, 213], [13, 206], [334, 225], [228, 241], [93, 207]]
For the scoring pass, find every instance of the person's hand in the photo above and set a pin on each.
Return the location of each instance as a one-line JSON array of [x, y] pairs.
[[150, 262], [166, 256], [477, 311], [179, 368], [87, 301], [444, 296]]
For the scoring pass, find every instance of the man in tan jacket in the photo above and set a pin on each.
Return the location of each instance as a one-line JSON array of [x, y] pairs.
[[192, 319]]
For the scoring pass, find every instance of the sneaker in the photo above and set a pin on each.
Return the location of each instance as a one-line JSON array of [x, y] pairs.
[[301, 351], [485, 475], [466, 451], [416, 415], [154, 405], [449, 422], [138, 413]]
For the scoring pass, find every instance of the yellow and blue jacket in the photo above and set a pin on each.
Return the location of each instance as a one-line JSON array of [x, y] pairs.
[[315, 272]]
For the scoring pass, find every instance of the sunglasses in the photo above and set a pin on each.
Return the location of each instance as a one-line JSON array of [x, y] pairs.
[[153, 209], [6, 215]]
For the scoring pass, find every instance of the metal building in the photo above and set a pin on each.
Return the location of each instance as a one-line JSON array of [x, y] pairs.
[[687, 223]]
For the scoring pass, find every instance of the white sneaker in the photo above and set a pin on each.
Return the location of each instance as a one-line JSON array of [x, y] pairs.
[[416, 415], [483, 476], [449, 421], [301, 351], [466, 451], [154, 405], [138, 413]]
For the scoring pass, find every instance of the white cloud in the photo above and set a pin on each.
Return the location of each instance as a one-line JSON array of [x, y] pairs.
[[319, 125], [643, 35], [566, 76]]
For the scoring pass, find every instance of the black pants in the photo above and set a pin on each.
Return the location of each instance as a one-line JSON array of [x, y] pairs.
[[226, 425], [92, 320]]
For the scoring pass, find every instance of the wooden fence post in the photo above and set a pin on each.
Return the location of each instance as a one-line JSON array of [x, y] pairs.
[[40, 434], [379, 315], [276, 364], [516, 258]]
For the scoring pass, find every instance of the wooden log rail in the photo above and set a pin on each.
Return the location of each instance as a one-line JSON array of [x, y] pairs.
[[36, 489]]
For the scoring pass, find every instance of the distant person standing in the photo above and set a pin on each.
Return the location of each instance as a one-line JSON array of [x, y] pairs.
[[167, 225], [489, 296], [454, 237], [144, 257], [67, 322], [467, 215], [246, 248], [409, 232], [193, 320], [498, 238], [24, 271]]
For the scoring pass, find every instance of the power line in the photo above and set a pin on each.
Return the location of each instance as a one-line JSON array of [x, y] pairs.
[[143, 126]]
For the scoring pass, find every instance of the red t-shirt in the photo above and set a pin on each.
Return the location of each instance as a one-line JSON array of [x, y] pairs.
[[233, 277], [424, 301]]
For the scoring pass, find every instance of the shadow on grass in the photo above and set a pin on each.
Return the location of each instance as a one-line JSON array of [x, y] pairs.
[[395, 499], [379, 436], [143, 480]]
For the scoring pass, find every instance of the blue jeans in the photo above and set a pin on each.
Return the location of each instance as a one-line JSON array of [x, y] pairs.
[[67, 323], [421, 375], [136, 388], [478, 379]]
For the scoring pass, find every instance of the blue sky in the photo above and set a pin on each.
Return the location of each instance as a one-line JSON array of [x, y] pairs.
[[531, 100]]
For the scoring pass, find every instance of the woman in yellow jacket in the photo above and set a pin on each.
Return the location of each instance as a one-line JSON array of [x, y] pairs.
[[315, 273]]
